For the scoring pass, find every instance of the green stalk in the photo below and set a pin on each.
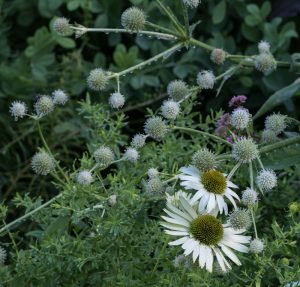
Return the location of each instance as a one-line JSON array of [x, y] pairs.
[[281, 144]]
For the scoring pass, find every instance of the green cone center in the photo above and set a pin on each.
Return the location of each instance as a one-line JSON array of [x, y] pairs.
[[207, 229], [214, 181]]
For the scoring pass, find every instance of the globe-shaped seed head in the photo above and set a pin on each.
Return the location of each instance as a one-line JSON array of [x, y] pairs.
[[18, 109], [42, 163], [276, 123], [133, 19], [266, 179], [263, 47], [170, 110], [104, 156], [249, 197], [265, 63], [84, 177], [240, 219], [245, 150], [177, 90], [204, 160], [156, 128], [131, 154], [60, 97], [191, 3], [97, 80], [62, 26], [218, 56], [268, 137], [154, 185], [256, 246], [44, 106], [152, 172], [240, 118], [138, 141], [116, 100], [206, 79]]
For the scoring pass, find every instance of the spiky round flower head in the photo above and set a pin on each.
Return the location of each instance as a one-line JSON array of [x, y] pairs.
[[104, 156], [240, 118], [84, 177], [191, 3], [177, 90], [116, 100], [244, 150], [156, 127], [60, 97], [62, 26], [131, 154], [276, 123], [206, 79], [170, 109], [138, 141], [240, 219], [18, 109], [44, 106], [256, 246], [265, 63], [154, 185], [97, 79], [3, 255], [249, 197], [263, 46], [152, 172], [204, 159], [268, 137], [182, 261], [112, 200], [218, 56], [266, 179], [133, 19], [42, 163]]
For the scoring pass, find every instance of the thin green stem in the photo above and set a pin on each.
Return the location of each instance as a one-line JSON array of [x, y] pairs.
[[216, 138], [118, 83], [252, 187], [233, 171], [260, 163], [161, 254], [253, 220], [13, 240], [160, 28], [281, 144]]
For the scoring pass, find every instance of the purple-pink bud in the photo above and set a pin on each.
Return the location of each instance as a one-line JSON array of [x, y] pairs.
[[237, 101]]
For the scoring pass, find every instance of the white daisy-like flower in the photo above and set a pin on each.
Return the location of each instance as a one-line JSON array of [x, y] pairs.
[[203, 235], [211, 187]]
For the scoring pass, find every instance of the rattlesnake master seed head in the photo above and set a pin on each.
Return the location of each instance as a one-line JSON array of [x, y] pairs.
[[3, 255], [244, 150], [133, 19], [138, 141], [131, 154], [152, 172], [156, 128], [191, 3], [276, 123], [256, 246], [97, 79], [204, 160], [266, 179], [44, 106], [154, 185], [249, 197], [62, 26], [104, 156], [240, 118], [263, 46], [84, 177], [268, 137], [218, 56], [206, 79], [116, 100], [170, 109], [18, 109], [177, 90], [42, 163], [265, 63], [240, 219], [59, 97]]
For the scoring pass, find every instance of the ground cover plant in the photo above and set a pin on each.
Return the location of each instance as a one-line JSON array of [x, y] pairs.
[[171, 161]]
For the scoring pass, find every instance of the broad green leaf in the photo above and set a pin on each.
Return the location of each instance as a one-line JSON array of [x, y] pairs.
[[219, 12], [278, 98], [67, 43]]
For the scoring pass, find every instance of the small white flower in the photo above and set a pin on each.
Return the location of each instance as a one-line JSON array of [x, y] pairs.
[[84, 177], [116, 100], [152, 172], [18, 109], [170, 109], [192, 3], [256, 246], [249, 197], [59, 97], [240, 118], [206, 79], [211, 188], [131, 154], [263, 47], [266, 179]]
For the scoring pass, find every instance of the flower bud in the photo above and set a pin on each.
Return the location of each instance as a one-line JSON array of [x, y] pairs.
[[133, 19], [218, 56]]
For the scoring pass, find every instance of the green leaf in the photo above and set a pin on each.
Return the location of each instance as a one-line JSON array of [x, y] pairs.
[[67, 43], [219, 12], [278, 98]]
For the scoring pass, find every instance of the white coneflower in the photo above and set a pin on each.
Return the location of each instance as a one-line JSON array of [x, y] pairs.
[[138, 141], [249, 197], [265, 63], [152, 172], [3, 255], [266, 179], [170, 109], [133, 19], [104, 156], [192, 3], [263, 46], [18, 109], [42, 163], [276, 123], [203, 235], [206, 79], [116, 100], [44, 105], [245, 150], [60, 97], [84, 177], [240, 219], [240, 118], [177, 90], [211, 188], [156, 127], [204, 160], [131, 154], [97, 79], [256, 246]]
